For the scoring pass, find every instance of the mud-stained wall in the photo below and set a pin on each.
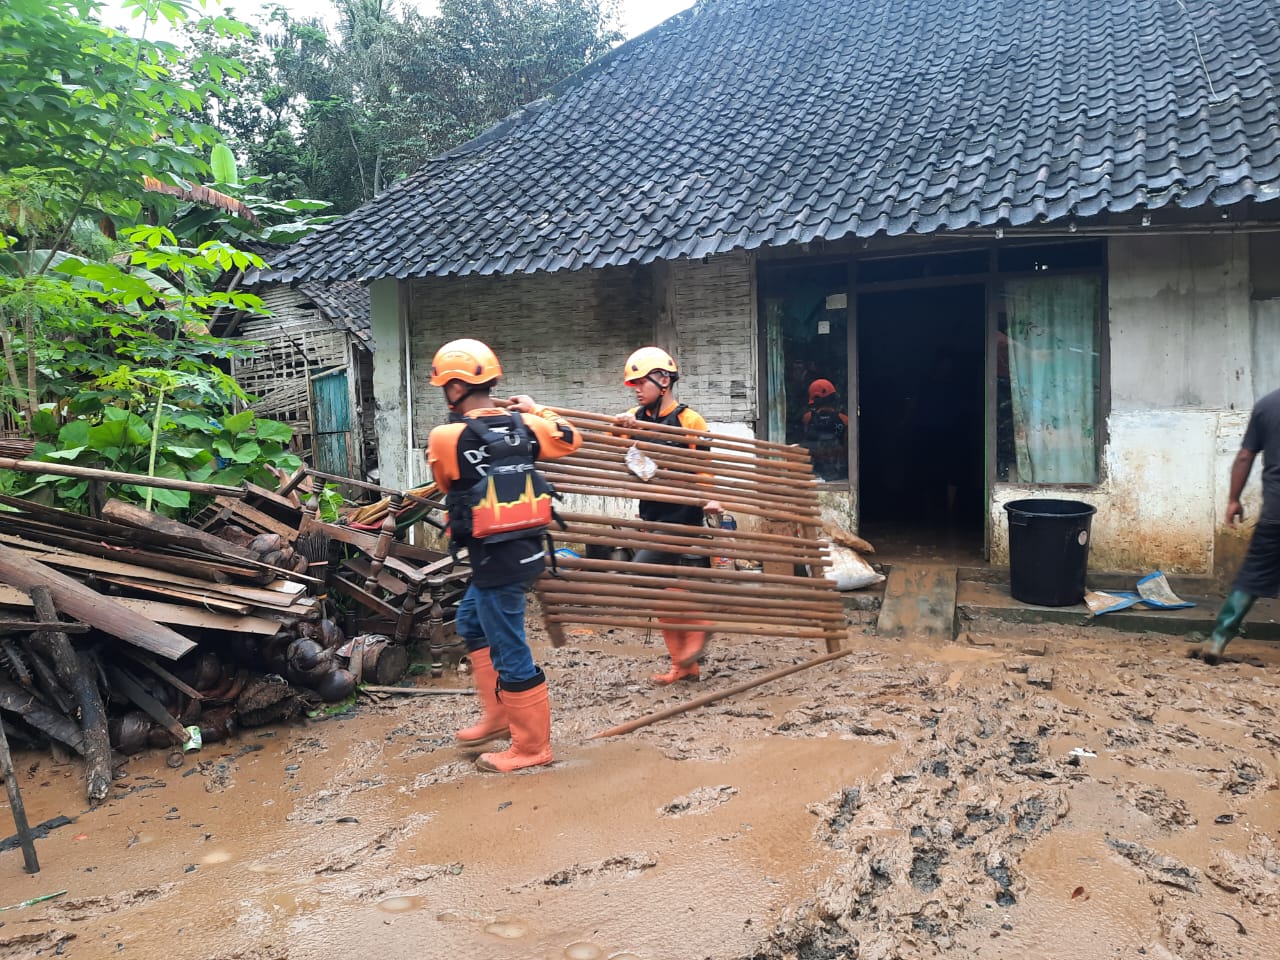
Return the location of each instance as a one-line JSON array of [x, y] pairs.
[[1182, 335]]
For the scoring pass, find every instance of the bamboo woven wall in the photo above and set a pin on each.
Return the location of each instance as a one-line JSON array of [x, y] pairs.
[[295, 340]]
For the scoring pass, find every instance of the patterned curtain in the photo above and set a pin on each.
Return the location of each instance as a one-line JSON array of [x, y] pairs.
[[1053, 376]]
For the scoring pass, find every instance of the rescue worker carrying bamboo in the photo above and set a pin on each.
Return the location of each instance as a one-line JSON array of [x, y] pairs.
[[499, 508], [652, 374]]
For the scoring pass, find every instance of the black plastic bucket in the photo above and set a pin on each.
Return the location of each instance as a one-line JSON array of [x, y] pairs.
[[1048, 550]]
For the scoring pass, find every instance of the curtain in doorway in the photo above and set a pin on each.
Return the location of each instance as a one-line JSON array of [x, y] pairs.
[[776, 371], [1053, 372]]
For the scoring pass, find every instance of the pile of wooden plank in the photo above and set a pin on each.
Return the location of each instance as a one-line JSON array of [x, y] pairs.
[[128, 629]]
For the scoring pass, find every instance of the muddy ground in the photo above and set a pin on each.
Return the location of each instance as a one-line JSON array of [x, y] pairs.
[[1023, 792]]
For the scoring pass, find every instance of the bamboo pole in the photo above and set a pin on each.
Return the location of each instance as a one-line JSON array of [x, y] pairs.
[[715, 626], [676, 481], [89, 473], [575, 578], [709, 698], [679, 612], [699, 489], [597, 449], [610, 420], [700, 546], [745, 461], [581, 593], [695, 573], [734, 506], [755, 536]]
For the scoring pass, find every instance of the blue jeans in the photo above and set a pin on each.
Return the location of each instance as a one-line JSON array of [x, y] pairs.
[[493, 617]]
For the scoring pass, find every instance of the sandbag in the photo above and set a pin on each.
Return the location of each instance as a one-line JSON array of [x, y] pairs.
[[850, 571]]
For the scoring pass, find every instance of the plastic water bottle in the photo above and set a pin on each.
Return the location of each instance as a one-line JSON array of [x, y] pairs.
[[727, 522]]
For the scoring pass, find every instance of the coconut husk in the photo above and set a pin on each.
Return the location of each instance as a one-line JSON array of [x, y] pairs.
[[260, 693]]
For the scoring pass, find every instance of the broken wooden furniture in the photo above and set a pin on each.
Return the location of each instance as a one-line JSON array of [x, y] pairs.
[[411, 592], [770, 482]]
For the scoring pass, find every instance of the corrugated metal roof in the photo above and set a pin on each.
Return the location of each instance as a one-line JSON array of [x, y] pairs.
[[743, 123]]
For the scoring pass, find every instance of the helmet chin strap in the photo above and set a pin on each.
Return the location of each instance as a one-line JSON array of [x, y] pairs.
[[655, 408], [471, 388]]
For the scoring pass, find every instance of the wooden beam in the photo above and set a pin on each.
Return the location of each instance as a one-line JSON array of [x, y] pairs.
[[174, 531], [112, 476], [718, 695], [88, 606], [75, 672]]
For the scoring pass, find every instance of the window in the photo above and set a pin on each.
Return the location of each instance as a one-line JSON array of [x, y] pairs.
[[806, 345], [1048, 376]]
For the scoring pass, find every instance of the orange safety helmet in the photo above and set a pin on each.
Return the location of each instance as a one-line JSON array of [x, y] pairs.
[[821, 388], [467, 360], [646, 360]]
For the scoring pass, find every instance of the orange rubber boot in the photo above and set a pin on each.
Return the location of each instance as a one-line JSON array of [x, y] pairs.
[[695, 645], [683, 667], [529, 712], [493, 723]]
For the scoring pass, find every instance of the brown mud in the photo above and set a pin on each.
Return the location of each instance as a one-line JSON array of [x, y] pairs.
[[1024, 791]]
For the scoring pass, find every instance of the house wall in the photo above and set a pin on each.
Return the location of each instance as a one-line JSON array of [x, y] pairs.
[[294, 340], [1184, 333], [563, 337]]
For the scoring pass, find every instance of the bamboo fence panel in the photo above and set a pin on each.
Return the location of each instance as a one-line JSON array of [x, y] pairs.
[[771, 482]]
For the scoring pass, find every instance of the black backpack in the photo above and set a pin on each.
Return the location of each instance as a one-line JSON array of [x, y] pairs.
[[825, 428], [512, 500]]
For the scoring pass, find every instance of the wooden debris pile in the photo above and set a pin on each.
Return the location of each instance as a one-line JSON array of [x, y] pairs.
[[130, 630]]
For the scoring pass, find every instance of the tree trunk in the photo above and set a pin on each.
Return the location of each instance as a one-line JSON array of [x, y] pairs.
[[76, 674]]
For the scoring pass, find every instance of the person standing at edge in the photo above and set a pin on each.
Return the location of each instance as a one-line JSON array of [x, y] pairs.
[[652, 374], [1259, 575], [499, 507]]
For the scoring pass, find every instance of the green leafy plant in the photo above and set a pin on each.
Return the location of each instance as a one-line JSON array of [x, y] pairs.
[[186, 446]]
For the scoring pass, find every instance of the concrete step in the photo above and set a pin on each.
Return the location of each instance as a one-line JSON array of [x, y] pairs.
[[978, 599], [919, 601]]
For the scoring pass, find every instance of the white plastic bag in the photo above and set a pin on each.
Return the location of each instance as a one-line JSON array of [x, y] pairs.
[[639, 464], [850, 571]]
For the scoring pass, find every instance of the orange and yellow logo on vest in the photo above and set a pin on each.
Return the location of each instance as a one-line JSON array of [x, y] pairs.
[[528, 510]]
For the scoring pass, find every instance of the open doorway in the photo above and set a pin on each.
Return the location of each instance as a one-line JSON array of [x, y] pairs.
[[921, 356]]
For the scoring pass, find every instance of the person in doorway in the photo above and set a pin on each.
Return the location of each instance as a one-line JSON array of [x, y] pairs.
[[1259, 575], [826, 431], [499, 508], [652, 373]]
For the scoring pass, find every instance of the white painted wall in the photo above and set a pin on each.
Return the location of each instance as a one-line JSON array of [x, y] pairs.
[[1183, 341]]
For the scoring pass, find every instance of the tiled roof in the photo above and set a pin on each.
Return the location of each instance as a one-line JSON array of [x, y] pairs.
[[743, 123], [345, 302]]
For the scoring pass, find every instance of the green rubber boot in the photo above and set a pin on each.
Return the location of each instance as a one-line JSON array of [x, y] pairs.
[[1230, 617]]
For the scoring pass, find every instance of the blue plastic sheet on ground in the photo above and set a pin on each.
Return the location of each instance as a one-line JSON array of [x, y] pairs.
[[1153, 592]]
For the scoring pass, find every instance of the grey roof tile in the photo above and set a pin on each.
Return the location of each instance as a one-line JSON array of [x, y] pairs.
[[742, 123]]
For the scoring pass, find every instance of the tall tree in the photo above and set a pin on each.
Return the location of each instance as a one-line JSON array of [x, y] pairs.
[[339, 115]]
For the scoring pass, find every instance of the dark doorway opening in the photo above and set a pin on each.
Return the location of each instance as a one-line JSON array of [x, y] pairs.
[[922, 420]]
